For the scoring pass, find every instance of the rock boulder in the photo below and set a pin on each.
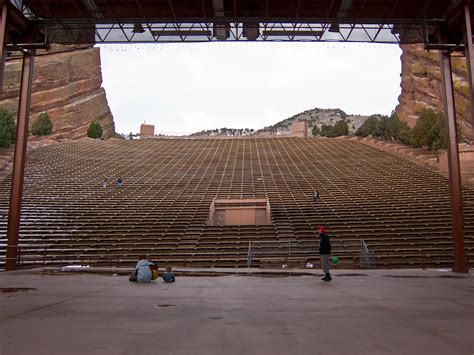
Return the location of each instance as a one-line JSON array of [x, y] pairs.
[[421, 86], [67, 85]]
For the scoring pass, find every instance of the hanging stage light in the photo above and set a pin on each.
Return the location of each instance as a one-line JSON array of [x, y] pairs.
[[138, 28]]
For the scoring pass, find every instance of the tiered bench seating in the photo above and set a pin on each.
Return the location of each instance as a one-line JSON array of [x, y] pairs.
[[401, 209]]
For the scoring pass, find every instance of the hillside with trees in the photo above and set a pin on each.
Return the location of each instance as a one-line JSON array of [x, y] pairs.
[[319, 120]]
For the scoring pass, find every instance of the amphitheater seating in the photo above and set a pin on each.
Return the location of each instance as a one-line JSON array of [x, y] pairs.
[[399, 208]]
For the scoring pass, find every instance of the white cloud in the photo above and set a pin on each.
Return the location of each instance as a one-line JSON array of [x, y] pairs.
[[189, 87]]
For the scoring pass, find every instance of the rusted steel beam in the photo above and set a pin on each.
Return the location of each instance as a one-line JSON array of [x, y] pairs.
[[447, 89], [468, 47], [14, 212], [3, 40], [13, 24]]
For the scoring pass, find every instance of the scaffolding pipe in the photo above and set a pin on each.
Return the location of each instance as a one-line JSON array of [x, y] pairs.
[[453, 162], [14, 211], [3, 40], [468, 47]]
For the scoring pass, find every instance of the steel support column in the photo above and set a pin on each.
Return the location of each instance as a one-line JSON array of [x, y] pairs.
[[14, 212], [3, 40], [469, 58], [447, 89]]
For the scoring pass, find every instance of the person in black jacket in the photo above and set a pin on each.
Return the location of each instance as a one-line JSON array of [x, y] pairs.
[[325, 252], [119, 182], [316, 197]]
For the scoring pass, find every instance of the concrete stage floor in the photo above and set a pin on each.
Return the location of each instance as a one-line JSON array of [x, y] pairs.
[[359, 312]]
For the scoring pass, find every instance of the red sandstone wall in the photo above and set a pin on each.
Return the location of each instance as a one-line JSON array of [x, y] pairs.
[[66, 85], [421, 86]]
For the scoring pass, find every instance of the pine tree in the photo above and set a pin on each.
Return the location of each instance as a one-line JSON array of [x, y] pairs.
[[7, 128], [95, 130], [42, 126]]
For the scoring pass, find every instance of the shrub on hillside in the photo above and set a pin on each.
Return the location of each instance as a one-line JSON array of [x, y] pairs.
[[42, 126], [381, 128], [404, 133], [369, 127], [430, 131], [95, 130], [340, 129], [316, 131], [392, 129], [326, 130], [7, 128]]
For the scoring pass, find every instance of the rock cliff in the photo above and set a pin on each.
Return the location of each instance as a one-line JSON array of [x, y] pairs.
[[67, 85], [421, 86]]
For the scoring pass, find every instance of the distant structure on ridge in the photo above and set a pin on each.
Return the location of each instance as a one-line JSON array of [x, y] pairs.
[[299, 129], [147, 131]]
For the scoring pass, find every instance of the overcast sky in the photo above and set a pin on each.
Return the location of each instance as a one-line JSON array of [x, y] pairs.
[[184, 88]]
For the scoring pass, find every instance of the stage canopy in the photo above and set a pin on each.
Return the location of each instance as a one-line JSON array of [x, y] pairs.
[[121, 21]]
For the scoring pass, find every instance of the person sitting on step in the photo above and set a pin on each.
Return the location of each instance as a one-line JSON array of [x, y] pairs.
[[142, 272]]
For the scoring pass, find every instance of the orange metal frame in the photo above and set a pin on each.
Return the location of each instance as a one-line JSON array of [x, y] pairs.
[[16, 31]]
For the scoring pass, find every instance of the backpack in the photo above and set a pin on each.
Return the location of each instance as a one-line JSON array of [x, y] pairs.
[[168, 277]]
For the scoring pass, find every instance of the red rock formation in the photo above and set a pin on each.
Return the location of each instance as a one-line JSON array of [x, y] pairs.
[[66, 85], [421, 86]]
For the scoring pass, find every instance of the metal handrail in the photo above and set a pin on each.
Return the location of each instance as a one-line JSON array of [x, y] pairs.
[[290, 248]]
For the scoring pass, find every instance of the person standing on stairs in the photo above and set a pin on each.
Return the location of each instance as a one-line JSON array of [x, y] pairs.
[[316, 197], [324, 252]]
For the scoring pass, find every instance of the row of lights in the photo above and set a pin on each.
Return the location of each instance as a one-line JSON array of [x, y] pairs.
[[221, 31]]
